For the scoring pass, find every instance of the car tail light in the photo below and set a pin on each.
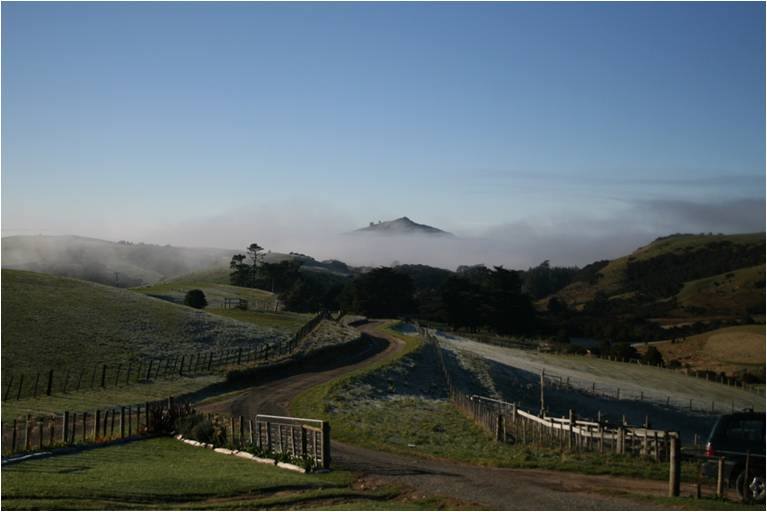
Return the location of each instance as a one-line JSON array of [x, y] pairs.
[[710, 450]]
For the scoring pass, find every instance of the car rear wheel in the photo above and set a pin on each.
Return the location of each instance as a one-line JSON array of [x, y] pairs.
[[753, 490]]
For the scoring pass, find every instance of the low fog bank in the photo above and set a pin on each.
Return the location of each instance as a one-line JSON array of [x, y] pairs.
[[564, 239], [124, 264], [323, 232]]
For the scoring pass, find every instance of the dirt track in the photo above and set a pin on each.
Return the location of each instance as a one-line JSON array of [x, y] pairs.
[[495, 488]]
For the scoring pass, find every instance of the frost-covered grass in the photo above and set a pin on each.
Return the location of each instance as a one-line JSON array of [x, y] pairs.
[[328, 334], [400, 405], [55, 322]]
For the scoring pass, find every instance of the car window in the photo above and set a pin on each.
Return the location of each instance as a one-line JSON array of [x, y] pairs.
[[745, 430]]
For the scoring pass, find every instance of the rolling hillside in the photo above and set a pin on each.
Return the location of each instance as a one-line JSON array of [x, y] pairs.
[[51, 322], [683, 276]]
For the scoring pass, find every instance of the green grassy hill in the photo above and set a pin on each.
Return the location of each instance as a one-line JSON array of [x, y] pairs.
[[685, 275], [56, 322]]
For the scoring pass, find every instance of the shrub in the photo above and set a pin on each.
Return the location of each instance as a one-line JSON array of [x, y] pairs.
[[195, 299], [202, 429], [653, 356]]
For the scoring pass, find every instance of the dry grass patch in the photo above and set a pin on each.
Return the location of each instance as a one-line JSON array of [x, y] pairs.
[[729, 350]]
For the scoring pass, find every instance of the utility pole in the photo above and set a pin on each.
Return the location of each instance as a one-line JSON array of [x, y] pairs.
[[543, 407]]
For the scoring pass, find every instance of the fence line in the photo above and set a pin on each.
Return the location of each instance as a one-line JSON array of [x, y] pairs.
[[509, 423], [105, 375], [300, 438], [707, 375], [279, 435], [36, 433], [557, 381]]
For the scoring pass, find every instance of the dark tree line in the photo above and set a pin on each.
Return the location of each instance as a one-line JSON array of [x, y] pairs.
[[474, 298], [664, 275]]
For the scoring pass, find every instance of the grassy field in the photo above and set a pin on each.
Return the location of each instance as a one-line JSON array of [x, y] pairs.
[[398, 406], [730, 292], [281, 321], [215, 293], [55, 322], [729, 350], [164, 473]]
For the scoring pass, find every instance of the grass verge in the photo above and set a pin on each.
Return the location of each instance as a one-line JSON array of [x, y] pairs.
[[163, 473]]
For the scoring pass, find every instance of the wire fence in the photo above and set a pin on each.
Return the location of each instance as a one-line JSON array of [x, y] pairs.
[[104, 375], [508, 423], [707, 375]]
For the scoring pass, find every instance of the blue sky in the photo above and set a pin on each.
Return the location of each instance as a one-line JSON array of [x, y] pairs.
[[133, 120]]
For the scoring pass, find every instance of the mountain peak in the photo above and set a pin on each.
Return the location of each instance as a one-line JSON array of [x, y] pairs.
[[402, 226]]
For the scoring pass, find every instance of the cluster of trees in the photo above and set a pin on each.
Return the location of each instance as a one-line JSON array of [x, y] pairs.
[[298, 291], [473, 298]]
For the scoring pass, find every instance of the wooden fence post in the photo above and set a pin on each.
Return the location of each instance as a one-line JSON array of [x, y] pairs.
[[674, 468], [325, 445], [720, 478], [27, 433], [49, 388], [21, 383], [85, 427], [13, 437], [96, 425], [73, 429], [122, 422], [65, 428], [8, 389]]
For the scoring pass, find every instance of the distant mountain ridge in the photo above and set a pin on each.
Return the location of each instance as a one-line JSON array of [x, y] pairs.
[[402, 226]]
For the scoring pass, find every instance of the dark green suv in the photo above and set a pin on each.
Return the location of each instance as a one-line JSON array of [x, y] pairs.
[[738, 437]]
